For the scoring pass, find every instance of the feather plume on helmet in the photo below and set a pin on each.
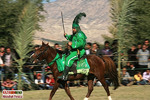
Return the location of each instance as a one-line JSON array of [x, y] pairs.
[[76, 21]]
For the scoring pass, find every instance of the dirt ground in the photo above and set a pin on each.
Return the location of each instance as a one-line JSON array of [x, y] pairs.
[[122, 93]]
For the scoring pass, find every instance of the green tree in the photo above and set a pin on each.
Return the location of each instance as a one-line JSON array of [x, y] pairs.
[[142, 23], [122, 16], [9, 16]]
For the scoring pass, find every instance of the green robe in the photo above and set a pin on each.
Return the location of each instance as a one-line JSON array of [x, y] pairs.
[[78, 42]]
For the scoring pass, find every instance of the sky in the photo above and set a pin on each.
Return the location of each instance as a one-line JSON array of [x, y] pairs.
[[45, 1]]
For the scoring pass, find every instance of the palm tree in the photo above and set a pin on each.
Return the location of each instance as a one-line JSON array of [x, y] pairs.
[[121, 15], [24, 35]]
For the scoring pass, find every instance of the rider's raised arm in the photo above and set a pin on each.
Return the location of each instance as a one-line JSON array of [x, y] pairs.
[[68, 37]]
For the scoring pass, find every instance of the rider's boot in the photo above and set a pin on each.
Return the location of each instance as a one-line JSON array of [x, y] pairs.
[[64, 76]]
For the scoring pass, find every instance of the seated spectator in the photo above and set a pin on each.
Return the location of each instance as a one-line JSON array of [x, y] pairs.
[[139, 79], [48, 70], [88, 48], [146, 76], [9, 85], [39, 81], [24, 79], [127, 65], [126, 80], [131, 70], [50, 81]]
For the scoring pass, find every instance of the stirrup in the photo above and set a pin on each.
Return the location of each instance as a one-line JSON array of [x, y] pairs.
[[63, 77]]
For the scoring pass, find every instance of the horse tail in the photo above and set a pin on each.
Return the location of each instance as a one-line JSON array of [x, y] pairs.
[[110, 69]]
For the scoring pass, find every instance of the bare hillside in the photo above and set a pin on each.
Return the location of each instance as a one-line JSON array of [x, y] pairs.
[[94, 25]]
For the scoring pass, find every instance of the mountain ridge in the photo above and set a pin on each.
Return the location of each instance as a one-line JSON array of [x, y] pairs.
[[93, 25]]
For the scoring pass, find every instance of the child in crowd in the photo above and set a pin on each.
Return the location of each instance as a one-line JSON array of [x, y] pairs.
[[50, 81], [39, 81]]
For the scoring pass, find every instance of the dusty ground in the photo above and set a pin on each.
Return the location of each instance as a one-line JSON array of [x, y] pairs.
[[122, 93]]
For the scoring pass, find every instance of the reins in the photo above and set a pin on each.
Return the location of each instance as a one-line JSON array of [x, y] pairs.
[[38, 55]]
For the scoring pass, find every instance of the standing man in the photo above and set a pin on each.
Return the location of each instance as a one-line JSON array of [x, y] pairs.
[[77, 43], [95, 48], [146, 42], [58, 48], [106, 51], [132, 54], [8, 59], [88, 48], [2, 51], [143, 57]]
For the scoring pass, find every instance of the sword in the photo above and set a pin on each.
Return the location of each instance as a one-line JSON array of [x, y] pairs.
[[63, 22]]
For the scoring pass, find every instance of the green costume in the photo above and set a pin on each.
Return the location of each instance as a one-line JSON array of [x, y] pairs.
[[78, 43]]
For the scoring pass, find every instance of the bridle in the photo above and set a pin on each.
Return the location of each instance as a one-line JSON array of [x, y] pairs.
[[41, 53]]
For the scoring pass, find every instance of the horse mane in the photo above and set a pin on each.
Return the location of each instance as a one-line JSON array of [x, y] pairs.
[[52, 51]]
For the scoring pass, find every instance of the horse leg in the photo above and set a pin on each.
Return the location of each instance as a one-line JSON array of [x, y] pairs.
[[90, 87], [68, 91], [54, 90], [102, 80]]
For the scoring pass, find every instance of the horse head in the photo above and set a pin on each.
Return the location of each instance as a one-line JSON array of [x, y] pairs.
[[40, 54]]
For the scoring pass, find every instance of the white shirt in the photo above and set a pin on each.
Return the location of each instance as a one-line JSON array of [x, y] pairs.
[[143, 57], [1, 61], [146, 76], [38, 81], [8, 60], [87, 52]]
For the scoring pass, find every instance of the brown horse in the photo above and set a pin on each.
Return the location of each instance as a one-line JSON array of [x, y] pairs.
[[98, 68]]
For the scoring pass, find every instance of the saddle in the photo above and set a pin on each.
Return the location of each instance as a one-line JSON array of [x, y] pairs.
[[74, 65]]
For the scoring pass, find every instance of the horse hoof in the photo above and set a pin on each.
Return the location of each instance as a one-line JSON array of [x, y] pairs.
[[86, 98], [109, 98]]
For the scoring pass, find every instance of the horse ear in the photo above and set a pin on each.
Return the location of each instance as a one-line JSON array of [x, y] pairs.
[[47, 43], [43, 43]]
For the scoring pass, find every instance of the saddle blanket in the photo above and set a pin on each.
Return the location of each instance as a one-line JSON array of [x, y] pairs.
[[82, 66]]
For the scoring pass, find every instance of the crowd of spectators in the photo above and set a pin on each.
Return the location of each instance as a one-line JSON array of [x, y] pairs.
[[39, 74], [136, 70], [138, 60], [138, 65]]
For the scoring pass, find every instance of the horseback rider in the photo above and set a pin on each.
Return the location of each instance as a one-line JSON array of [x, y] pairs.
[[78, 42]]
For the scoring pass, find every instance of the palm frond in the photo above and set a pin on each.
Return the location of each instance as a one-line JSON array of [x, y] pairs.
[[24, 35]]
